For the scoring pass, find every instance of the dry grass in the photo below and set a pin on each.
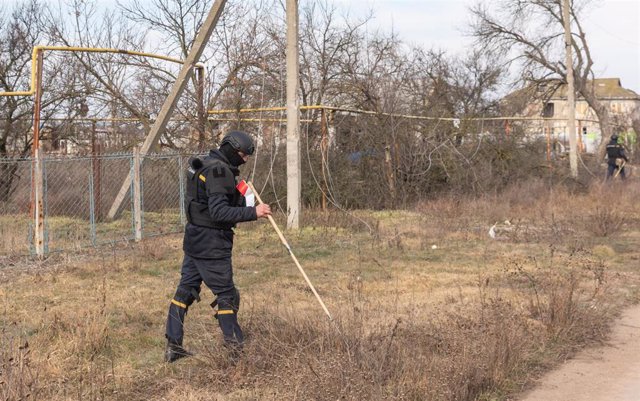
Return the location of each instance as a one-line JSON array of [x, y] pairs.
[[474, 318]]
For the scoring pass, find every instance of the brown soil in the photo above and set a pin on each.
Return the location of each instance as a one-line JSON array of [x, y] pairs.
[[606, 373]]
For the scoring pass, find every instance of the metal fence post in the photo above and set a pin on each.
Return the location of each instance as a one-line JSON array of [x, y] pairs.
[[137, 196], [183, 219], [45, 201], [92, 205]]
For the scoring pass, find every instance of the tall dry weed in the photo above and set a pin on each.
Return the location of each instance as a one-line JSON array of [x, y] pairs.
[[19, 380], [471, 348], [565, 294]]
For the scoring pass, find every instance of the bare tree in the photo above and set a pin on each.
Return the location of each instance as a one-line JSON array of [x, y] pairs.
[[108, 80], [241, 51], [326, 42], [538, 46], [20, 31]]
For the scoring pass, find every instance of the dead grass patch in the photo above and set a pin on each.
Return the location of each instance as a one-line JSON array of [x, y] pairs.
[[474, 318]]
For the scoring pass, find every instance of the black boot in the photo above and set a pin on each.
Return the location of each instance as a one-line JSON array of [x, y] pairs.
[[175, 352], [231, 330]]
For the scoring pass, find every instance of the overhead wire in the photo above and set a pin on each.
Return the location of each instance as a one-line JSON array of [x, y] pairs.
[[275, 146], [329, 196], [260, 126]]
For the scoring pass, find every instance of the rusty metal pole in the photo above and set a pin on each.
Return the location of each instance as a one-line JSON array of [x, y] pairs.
[[38, 99], [37, 176]]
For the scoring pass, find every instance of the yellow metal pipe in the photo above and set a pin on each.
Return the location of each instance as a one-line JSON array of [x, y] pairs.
[[257, 120], [87, 50], [357, 111], [277, 108], [88, 119], [245, 110]]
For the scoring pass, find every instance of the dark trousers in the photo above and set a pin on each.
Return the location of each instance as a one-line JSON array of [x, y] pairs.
[[217, 274], [612, 169]]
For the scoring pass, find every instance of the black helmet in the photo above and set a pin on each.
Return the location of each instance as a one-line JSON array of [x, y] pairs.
[[239, 141], [614, 137]]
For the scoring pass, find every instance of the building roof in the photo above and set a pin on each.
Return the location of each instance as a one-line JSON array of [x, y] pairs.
[[605, 88]]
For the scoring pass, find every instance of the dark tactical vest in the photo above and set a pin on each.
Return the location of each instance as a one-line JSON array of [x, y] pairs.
[[217, 177], [614, 151]]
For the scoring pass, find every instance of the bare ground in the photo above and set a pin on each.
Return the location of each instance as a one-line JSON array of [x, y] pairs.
[[606, 373]]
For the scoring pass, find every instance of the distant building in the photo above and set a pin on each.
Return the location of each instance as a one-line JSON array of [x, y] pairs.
[[550, 101]]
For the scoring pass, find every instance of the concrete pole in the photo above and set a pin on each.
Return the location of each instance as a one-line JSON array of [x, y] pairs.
[[571, 100], [37, 176], [294, 182], [170, 102], [323, 153]]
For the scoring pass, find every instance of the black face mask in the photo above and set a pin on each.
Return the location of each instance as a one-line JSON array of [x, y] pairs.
[[232, 155]]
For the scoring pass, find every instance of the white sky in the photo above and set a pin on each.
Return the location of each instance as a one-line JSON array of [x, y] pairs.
[[612, 28]]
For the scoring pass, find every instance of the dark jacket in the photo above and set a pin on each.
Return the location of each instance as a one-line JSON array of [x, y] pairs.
[[216, 188], [615, 151]]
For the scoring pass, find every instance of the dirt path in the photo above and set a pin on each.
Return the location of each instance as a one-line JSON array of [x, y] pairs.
[[607, 373]]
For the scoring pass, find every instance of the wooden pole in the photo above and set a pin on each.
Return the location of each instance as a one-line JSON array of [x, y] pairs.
[[286, 245], [202, 112], [620, 167]]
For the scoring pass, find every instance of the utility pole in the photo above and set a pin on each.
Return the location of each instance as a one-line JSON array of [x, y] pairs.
[[294, 182], [324, 146], [170, 102], [37, 205], [571, 100]]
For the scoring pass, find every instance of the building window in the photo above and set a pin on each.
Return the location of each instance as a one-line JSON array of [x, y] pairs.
[[548, 110]]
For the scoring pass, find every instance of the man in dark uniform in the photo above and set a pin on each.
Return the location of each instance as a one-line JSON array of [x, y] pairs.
[[213, 207], [615, 157]]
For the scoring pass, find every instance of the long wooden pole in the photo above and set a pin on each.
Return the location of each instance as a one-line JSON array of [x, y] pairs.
[[286, 245], [620, 167]]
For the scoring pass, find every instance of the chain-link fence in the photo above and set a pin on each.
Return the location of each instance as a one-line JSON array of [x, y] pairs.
[[78, 195], [16, 227]]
